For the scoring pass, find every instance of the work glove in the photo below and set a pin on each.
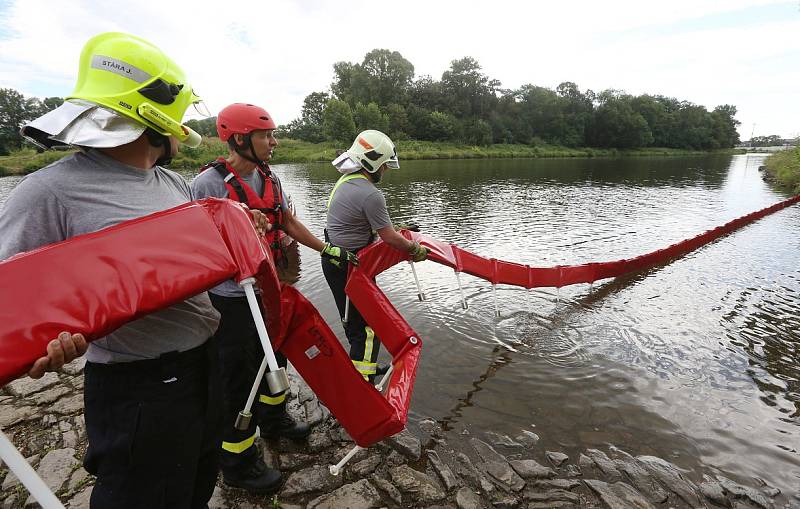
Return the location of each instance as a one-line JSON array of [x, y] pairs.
[[413, 227], [338, 256], [419, 253]]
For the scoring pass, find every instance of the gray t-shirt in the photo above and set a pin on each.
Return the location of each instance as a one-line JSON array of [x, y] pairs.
[[89, 191], [357, 209], [210, 184]]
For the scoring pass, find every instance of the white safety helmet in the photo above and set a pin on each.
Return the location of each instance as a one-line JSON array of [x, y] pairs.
[[369, 151]]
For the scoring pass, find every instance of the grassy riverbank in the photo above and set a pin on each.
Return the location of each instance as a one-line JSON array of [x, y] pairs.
[[784, 168], [295, 151]]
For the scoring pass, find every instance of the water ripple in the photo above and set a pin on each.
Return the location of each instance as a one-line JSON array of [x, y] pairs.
[[695, 360]]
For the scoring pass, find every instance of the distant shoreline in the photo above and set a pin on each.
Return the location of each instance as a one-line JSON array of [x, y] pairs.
[[784, 169], [294, 151]]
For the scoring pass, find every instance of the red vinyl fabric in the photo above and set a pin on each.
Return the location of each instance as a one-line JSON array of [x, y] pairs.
[[502, 272], [316, 353], [93, 284], [404, 344]]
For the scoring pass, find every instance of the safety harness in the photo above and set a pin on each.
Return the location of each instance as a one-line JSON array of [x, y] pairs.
[[342, 180], [270, 203]]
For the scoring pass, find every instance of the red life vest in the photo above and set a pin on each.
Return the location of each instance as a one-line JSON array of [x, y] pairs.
[[270, 203]]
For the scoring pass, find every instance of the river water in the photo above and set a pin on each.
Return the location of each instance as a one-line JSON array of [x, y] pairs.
[[695, 361]]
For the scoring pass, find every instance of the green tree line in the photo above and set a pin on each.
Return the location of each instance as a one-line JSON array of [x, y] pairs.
[[15, 111], [467, 106], [771, 140]]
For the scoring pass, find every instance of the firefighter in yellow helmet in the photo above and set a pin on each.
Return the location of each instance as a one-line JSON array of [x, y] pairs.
[[151, 387], [356, 212]]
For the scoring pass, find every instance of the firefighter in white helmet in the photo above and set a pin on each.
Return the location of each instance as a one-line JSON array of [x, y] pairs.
[[356, 212]]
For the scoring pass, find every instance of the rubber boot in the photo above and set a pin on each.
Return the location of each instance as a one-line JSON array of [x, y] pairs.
[[249, 472], [381, 370], [275, 422]]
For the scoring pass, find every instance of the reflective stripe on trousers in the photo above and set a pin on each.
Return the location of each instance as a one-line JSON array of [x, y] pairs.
[[272, 400], [365, 366], [239, 447]]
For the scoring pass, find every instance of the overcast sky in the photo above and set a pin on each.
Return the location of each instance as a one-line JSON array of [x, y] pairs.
[[274, 53]]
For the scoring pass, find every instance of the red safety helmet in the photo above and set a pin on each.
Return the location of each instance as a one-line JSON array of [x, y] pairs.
[[241, 118]]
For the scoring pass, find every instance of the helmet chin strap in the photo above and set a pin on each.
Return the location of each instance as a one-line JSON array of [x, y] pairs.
[[157, 139], [254, 159], [375, 176]]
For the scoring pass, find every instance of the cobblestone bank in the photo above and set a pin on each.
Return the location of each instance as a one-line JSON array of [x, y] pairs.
[[44, 418]]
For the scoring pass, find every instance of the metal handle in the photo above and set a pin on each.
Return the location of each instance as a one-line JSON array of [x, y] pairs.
[[243, 419], [276, 378]]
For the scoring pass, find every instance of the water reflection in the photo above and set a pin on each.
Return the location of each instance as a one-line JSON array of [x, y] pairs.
[[765, 324]]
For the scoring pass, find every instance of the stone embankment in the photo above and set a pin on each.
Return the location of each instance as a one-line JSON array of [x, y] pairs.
[[44, 418]]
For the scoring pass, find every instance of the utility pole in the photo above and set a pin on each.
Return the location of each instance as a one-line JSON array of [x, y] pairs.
[[751, 134]]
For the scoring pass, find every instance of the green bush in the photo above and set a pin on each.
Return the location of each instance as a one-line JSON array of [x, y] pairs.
[[784, 167]]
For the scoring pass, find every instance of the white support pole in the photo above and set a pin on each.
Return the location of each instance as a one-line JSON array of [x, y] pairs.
[[276, 378], [420, 295], [385, 379], [335, 469], [494, 293], [27, 475], [261, 327], [346, 310], [461, 290], [243, 419]]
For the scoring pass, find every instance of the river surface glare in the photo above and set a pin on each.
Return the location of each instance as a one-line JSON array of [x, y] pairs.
[[695, 361]]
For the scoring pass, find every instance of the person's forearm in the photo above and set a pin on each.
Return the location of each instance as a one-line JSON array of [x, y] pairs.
[[301, 234], [395, 240]]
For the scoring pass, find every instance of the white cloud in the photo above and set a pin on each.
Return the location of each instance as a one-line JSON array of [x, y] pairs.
[[275, 53]]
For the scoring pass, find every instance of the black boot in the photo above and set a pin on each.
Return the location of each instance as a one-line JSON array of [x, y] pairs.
[[275, 424], [379, 372], [250, 473]]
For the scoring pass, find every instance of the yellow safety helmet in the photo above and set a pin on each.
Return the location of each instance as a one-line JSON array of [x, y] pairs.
[[129, 75]]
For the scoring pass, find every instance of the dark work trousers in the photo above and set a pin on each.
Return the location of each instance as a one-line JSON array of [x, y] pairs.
[[241, 354], [154, 429], [364, 345]]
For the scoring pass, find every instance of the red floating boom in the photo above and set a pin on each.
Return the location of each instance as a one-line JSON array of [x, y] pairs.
[[95, 283], [509, 273]]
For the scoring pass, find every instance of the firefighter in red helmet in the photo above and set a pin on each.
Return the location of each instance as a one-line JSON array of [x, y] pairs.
[[245, 176]]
